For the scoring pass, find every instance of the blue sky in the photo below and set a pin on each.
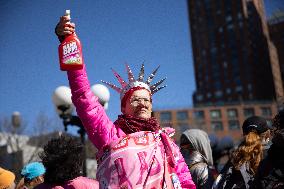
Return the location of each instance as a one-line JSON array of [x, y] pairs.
[[112, 33]]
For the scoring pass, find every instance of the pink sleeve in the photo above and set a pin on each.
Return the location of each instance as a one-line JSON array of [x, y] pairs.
[[99, 127], [183, 173]]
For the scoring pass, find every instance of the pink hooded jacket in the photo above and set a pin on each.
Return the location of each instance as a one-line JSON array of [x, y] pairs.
[[77, 183], [99, 127]]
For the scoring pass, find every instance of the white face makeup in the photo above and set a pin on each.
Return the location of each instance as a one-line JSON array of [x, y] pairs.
[[139, 104]]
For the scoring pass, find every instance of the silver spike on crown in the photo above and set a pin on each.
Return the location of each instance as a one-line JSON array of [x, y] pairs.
[[141, 73], [132, 82], [130, 74], [119, 78], [154, 86], [150, 78]]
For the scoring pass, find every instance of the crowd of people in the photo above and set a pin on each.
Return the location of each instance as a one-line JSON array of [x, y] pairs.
[[256, 163], [136, 152]]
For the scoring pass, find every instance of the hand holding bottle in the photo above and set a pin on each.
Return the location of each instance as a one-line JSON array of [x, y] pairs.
[[70, 49], [64, 27]]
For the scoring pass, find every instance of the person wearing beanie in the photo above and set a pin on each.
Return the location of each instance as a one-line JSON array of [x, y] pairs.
[[241, 169], [255, 123], [7, 179], [33, 175], [259, 125]]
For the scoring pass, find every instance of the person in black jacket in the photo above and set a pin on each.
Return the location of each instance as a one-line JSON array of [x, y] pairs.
[[195, 147], [240, 171], [270, 173]]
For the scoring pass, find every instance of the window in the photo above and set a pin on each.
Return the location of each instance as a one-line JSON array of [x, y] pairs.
[[266, 111], [250, 96], [182, 116], [228, 90], [165, 116], [217, 83], [239, 88], [232, 113], [239, 15], [230, 26], [215, 114], [234, 125], [237, 80], [203, 52], [249, 87], [199, 97], [248, 112], [218, 94], [199, 114], [217, 125], [229, 18], [200, 84], [225, 64]]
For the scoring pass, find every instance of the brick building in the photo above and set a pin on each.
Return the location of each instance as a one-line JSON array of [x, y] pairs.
[[234, 58], [218, 120], [276, 33]]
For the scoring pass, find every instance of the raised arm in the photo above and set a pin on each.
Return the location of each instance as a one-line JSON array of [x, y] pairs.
[[100, 129]]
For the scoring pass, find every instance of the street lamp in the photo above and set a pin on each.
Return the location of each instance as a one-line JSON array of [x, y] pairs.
[[102, 93], [16, 119], [64, 107]]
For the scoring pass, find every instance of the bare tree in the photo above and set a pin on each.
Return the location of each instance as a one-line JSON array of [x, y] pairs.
[[21, 145]]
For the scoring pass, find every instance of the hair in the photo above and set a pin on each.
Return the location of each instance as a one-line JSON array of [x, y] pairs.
[[249, 151], [63, 159], [265, 135]]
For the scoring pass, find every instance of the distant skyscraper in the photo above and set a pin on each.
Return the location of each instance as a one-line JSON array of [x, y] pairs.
[[276, 32], [234, 60]]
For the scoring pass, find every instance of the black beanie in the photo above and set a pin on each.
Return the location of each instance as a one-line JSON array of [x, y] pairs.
[[255, 123]]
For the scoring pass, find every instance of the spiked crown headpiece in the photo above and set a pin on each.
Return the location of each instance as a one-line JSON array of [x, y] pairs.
[[132, 82]]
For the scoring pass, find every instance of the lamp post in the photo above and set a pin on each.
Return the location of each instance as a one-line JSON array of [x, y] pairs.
[[64, 108], [16, 119]]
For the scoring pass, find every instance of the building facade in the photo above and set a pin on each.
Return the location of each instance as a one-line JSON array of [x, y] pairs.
[[276, 32], [234, 59], [221, 121]]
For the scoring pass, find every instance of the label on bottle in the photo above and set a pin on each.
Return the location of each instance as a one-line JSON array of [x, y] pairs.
[[71, 53]]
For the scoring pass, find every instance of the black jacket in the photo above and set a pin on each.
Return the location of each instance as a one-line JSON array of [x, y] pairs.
[[270, 173], [231, 178]]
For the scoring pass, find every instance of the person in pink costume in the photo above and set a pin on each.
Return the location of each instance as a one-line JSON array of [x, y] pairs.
[[134, 151]]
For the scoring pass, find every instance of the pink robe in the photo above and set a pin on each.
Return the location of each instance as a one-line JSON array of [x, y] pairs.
[[104, 134]]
